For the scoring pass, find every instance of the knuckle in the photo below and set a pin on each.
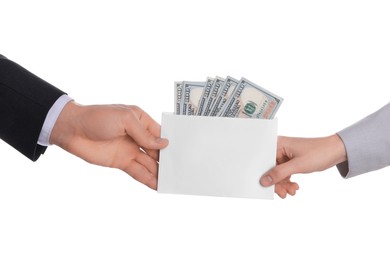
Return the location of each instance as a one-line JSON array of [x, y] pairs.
[[276, 174], [135, 108]]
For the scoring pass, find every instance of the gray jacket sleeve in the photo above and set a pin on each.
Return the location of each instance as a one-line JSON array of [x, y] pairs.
[[367, 144]]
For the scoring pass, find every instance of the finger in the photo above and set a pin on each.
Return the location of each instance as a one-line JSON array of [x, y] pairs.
[[278, 173], [153, 127], [155, 130], [281, 191], [148, 162], [152, 153], [150, 124], [142, 136], [140, 173], [290, 187]]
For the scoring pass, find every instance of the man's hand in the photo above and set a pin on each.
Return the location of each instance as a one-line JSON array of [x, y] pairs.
[[302, 155], [118, 136]]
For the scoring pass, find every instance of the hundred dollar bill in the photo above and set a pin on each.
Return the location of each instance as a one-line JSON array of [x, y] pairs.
[[218, 82], [205, 95], [178, 97], [224, 93], [192, 94], [251, 101]]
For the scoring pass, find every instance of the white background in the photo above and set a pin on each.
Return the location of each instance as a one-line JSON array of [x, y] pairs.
[[329, 60]]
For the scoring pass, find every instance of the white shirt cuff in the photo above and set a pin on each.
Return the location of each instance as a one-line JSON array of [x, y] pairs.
[[51, 119]]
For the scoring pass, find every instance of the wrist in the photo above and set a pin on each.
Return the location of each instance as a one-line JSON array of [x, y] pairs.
[[65, 126], [339, 149], [51, 119]]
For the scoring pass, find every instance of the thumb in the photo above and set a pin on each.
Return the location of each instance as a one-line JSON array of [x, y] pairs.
[[145, 139], [278, 173]]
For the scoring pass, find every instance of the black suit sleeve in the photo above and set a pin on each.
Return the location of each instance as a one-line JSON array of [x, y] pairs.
[[25, 100]]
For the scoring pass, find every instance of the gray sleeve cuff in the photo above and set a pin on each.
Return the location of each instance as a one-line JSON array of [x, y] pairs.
[[367, 144]]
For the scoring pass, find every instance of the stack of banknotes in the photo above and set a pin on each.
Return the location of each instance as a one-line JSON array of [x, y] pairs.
[[225, 97]]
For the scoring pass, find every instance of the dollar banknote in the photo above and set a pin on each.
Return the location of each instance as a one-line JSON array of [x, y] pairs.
[[251, 101], [223, 95], [225, 98], [218, 82], [192, 93], [178, 97], [205, 95]]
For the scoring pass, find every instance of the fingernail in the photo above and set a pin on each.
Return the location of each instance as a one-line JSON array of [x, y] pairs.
[[161, 140], [266, 180]]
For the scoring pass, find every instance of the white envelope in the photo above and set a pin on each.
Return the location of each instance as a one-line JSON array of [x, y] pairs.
[[217, 156]]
